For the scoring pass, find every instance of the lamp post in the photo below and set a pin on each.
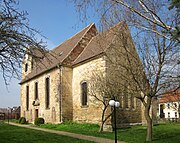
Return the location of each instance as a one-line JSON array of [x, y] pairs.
[[114, 104], [8, 115]]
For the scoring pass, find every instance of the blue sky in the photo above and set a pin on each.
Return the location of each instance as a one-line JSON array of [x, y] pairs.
[[57, 20]]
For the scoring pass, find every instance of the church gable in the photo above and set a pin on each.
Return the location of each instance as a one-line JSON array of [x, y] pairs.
[[80, 46]]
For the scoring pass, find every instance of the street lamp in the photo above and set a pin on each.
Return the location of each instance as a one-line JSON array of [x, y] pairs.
[[114, 104]]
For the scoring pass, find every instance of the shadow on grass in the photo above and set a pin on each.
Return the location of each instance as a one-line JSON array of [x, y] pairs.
[[166, 137]]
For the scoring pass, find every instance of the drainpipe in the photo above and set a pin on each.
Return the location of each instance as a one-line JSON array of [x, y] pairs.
[[60, 92]]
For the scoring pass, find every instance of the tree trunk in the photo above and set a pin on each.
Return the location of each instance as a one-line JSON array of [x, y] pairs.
[[149, 129], [102, 119], [102, 126], [148, 119]]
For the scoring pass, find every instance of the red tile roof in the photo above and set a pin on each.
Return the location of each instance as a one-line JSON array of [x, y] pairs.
[[170, 96]]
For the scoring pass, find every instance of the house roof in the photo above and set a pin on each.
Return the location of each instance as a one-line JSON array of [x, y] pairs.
[[170, 96], [84, 45]]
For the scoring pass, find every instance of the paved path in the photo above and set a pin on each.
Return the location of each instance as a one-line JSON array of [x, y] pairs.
[[79, 136]]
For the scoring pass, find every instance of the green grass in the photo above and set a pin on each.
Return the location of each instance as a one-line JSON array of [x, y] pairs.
[[162, 133], [14, 134]]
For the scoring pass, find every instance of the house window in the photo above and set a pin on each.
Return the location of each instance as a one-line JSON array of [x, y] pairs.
[[168, 106], [26, 67], [47, 92], [36, 90], [27, 98], [84, 93], [162, 111], [175, 114], [175, 105], [168, 114]]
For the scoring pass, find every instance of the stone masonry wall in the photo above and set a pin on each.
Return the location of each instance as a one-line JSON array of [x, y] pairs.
[[51, 114], [118, 72], [66, 90], [93, 111]]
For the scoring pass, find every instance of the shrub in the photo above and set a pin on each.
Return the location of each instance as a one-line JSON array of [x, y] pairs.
[[39, 121], [22, 120], [69, 122]]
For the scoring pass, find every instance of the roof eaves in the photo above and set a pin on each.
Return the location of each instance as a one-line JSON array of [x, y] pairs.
[[38, 74], [89, 59]]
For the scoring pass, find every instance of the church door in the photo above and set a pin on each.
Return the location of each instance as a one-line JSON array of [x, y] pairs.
[[36, 113]]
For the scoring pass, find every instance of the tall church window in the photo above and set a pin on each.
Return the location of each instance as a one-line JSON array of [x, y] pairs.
[[121, 101], [132, 101], [126, 101], [126, 97], [84, 93], [27, 98], [36, 90], [47, 92], [32, 65]]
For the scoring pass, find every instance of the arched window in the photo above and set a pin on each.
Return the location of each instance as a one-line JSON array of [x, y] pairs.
[[84, 93], [27, 97], [47, 92], [36, 90], [126, 97], [26, 67], [132, 98]]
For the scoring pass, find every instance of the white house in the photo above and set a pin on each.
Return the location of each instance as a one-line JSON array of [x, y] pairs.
[[169, 105]]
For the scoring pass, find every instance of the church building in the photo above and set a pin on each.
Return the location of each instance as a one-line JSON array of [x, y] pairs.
[[58, 87]]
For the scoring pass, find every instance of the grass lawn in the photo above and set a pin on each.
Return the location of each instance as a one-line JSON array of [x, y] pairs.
[[14, 134], [162, 133]]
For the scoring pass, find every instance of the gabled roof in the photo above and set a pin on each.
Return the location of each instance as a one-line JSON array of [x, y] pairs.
[[170, 96]]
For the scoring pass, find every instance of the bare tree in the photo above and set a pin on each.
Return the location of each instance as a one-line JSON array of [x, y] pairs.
[[137, 13], [148, 74], [102, 89], [15, 38], [152, 23]]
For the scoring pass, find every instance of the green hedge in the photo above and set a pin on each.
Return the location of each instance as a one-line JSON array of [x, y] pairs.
[[22, 120]]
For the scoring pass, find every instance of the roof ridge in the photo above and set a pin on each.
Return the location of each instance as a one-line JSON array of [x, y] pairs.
[[90, 25]]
